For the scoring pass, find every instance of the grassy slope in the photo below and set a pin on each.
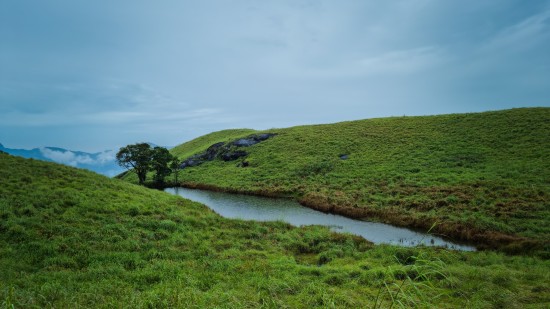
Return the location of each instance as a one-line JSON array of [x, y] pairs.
[[201, 143], [72, 238], [483, 176]]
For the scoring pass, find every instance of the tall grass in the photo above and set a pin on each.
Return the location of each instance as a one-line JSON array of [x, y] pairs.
[[71, 238], [410, 289]]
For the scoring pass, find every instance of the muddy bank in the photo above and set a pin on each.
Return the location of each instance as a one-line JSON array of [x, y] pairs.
[[482, 239]]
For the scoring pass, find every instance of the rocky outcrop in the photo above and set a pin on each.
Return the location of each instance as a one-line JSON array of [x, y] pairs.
[[226, 151], [213, 151], [252, 139], [234, 155]]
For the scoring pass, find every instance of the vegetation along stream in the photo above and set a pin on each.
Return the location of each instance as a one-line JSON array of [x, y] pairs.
[[272, 209]]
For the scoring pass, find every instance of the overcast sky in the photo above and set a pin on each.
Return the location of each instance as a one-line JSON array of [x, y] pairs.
[[96, 75]]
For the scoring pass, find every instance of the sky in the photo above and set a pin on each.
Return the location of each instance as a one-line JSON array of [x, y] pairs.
[[97, 75]]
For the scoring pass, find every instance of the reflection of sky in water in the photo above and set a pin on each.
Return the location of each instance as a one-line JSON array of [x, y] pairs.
[[269, 209]]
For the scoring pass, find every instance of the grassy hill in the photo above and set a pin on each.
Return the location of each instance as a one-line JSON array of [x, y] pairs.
[[483, 177], [202, 143], [70, 238]]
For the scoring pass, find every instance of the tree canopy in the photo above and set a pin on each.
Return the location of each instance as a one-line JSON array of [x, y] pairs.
[[160, 163], [141, 158], [137, 158], [175, 166]]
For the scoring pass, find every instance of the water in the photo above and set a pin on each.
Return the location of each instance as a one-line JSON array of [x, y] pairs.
[[269, 209]]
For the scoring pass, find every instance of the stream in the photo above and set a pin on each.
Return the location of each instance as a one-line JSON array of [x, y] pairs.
[[257, 208]]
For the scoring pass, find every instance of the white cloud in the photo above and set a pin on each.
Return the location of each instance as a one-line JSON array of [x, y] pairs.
[[65, 157], [70, 158], [107, 156]]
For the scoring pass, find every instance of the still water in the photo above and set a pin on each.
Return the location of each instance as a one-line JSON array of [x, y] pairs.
[[269, 209]]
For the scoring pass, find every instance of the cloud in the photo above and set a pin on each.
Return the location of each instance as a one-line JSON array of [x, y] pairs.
[[402, 61], [99, 102], [71, 158], [66, 157], [81, 77], [524, 35], [107, 156]]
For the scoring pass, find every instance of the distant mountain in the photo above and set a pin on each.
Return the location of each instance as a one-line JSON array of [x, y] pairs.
[[100, 162]]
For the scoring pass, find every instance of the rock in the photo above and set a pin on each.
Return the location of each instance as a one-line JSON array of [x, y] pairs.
[[263, 137], [226, 151], [234, 155], [189, 163], [245, 142], [252, 139], [344, 156], [213, 151], [192, 161]]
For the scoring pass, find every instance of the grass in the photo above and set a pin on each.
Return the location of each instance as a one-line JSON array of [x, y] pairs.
[[70, 238], [482, 177], [201, 143]]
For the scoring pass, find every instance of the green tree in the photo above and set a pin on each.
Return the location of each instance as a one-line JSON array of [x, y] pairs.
[[175, 166], [136, 158], [160, 161]]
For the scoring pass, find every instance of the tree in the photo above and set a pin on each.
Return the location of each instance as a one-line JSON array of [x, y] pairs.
[[136, 158], [175, 166], [160, 161]]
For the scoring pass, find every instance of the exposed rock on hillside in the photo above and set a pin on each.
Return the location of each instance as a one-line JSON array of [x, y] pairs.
[[234, 155], [252, 139], [226, 151]]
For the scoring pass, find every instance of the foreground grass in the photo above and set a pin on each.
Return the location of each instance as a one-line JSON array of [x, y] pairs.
[[71, 238], [482, 177]]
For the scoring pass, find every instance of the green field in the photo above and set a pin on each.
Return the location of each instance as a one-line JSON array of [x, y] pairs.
[[482, 177], [71, 238]]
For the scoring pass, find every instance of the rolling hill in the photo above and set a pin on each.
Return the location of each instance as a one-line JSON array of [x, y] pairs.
[[71, 238], [100, 162], [482, 177]]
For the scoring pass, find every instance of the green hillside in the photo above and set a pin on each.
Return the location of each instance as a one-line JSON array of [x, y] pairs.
[[201, 143], [483, 177], [70, 238]]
